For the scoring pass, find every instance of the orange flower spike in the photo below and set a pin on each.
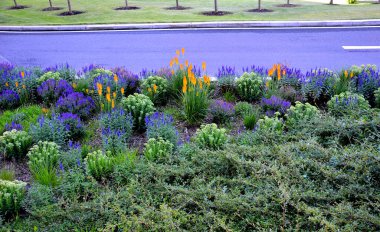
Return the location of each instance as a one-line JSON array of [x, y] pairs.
[[100, 89], [186, 63], [176, 60], [183, 51], [113, 103], [283, 72], [108, 97], [204, 66], [108, 89], [172, 72], [7, 84], [114, 94], [351, 75], [22, 74], [278, 72], [154, 87], [23, 86], [171, 63], [345, 73], [122, 91], [115, 78], [193, 80], [181, 66], [200, 84], [16, 84], [184, 81], [177, 52]]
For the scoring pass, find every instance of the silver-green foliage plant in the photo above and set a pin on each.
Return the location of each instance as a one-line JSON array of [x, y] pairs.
[[348, 104], [270, 125], [156, 88], [243, 108], [249, 86], [377, 98], [48, 76], [11, 195], [99, 165], [49, 129], [211, 137], [15, 144], [43, 162], [156, 149], [300, 113], [139, 106]]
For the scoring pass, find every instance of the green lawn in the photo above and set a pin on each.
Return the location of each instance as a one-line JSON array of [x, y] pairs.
[[101, 11]]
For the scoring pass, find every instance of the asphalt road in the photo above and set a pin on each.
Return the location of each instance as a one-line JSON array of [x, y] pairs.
[[302, 48]]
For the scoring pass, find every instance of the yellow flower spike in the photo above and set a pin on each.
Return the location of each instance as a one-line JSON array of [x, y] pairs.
[[115, 78], [181, 66], [177, 52], [154, 87], [108, 97], [114, 94], [16, 84], [267, 84], [193, 80], [122, 91], [270, 72], [108, 89], [74, 85], [186, 63], [345, 73], [351, 75], [176, 60], [203, 66], [183, 51], [87, 91], [7, 84], [113, 103], [200, 84], [184, 89], [24, 86], [171, 63], [149, 90], [100, 89], [22, 74]]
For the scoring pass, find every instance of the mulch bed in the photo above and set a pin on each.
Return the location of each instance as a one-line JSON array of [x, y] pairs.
[[19, 7], [218, 13], [74, 12], [128, 8], [178, 8], [52, 8]]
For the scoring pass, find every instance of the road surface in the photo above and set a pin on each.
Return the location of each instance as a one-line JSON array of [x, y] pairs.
[[302, 48]]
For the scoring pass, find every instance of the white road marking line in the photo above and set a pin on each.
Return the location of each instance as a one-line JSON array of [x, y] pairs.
[[3, 59], [356, 48]]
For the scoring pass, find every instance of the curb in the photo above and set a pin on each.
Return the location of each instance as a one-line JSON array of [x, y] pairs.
[[197, 25]]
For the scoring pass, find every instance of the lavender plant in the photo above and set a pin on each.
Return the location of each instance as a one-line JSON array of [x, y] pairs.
[[226, 79], [366, 83], [77, 103], [221, 111], [274, 104], [128, 80], [51, 90], [73, 125], [13, 126], [9, 99], [160, 125]]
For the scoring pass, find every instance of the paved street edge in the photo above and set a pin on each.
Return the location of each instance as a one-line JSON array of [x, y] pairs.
[[195, 25]]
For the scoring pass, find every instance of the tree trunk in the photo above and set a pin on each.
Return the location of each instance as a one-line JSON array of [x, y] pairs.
[[15, 3], [69, 5], [51, 4], [331, 2], [126, 3], [216, 5], [259, 7], [288, 2], [177, 5]]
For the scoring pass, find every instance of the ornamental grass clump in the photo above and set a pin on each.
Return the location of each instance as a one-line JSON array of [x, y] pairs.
[[117, 128], [300, 114], [156, 88], [76, 103], [139, 106], [209, 136], [221, 111], [49, 76], [12, 194], [9, 99], [156, 149], [274, 104], [249, 86], [99, 165], [348, 104], [160, 125], [43, 162], [51, 90], [15, 144]]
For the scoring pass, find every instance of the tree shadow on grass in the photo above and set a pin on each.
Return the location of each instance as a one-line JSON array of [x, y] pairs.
[[127, 8], [177, 8], [218, 13], [72, 13]]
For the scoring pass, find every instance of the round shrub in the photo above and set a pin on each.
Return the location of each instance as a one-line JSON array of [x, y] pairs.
[[51, 90], [270, 125], [249, 86], [156, 149], [209, 136], [300, 113], [15, 144], [49, 76], [243, 108], [160, 125], [139, 106], [274, 104], [73, 125], [11, 195], [99, 72], [347, 104], [221, 111], [99, 165], [377, 98], [53, 130], [9, 99], [155, 88], [77, 103]]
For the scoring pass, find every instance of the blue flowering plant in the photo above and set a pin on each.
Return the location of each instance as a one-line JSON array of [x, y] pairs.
[[73, 125], [221, 111], [348, 104], [160, 125], [50, 129], [366, 83], [9, 99], [51, 90], [77, 103], [274, 104]]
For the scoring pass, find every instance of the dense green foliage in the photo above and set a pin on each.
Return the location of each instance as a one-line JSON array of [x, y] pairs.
[[139, 106], [209, 136], [11, 195], [156, 149], [249, 86], [156, 88], [15, 144]]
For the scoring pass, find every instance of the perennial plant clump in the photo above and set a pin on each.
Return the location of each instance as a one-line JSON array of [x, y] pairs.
[[49, 76], [15, 144], [300, 114], [221, 111], [348, 104], [9, 99], [155, 88], [77, 103], [160, 125], [12, 194], [209, 136], [156, 149], [50, 129], [249, 86], [139, 106], [51, 90], [99, 165], [274, 104]]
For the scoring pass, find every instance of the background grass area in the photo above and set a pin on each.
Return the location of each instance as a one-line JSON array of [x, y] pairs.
[[100, 11]]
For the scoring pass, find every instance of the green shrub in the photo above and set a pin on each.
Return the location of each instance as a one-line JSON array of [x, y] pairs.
[[377, 98], [300, 114], [243, 108], [11, 195], [24, 115], [156, 149], [209, 136], [99, 165], [99, 71], [15, 144], [7, 173], [50, 129], [37, 198], [249, 86], [348, 104], [155, 88], [48, 76], [272, 125], [43, 162], [139, 106]]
